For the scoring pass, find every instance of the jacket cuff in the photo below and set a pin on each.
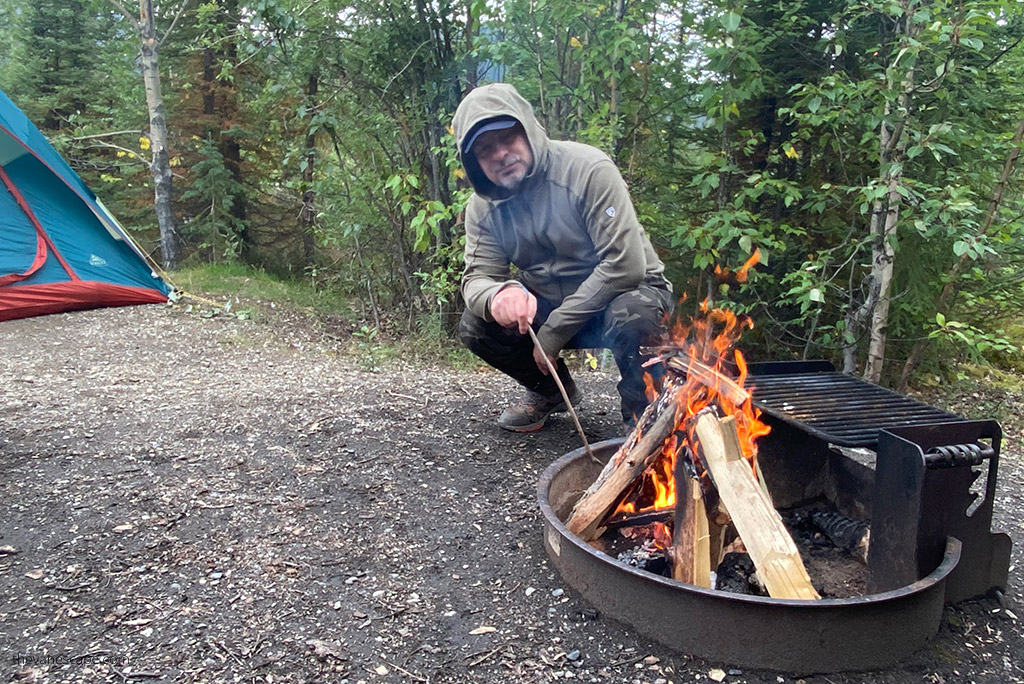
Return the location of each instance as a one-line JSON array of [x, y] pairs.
[[551, 342]]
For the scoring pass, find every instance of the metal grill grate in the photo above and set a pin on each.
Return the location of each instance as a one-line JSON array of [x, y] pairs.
[[838, 408]]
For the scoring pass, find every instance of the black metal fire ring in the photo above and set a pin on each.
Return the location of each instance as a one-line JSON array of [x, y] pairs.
[[807, 637]]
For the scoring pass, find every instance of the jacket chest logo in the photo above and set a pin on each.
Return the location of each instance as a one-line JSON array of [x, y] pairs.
[[610, 211]]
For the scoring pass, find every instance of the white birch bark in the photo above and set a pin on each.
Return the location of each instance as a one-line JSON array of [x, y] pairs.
[[886, 209], [160, 166]]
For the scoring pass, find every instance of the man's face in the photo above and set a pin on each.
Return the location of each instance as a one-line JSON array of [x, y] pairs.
[[504, 156]]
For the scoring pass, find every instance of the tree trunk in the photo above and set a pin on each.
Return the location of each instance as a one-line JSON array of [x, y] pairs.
[[948, 293], [613, 85], [230, 147], [472, 30], [170, 241], [886, 210], [308, 215], [220, 116]]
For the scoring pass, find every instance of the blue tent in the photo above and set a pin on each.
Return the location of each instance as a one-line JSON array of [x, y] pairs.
[[60, 249]]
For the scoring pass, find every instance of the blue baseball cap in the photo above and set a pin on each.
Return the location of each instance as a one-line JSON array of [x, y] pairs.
[[497, 124]]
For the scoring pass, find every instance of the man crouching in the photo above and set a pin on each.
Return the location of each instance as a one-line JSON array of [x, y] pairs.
[[587, 275]]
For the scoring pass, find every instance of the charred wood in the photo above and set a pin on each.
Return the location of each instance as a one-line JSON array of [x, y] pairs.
[[852, 536], [736, 573], [587, 516], [660, 515]]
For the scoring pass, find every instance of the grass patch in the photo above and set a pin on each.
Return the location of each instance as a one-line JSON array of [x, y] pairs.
[[248, 285], [247, 292]]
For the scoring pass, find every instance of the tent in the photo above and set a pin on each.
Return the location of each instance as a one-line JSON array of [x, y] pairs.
[[60, 249]]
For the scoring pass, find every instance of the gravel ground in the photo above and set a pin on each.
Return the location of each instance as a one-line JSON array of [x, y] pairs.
[[186, 498]]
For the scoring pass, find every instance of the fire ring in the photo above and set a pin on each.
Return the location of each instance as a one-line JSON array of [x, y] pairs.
[[826, 635]]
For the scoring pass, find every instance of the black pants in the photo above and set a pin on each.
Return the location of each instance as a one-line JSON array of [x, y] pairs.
[[632, 319]]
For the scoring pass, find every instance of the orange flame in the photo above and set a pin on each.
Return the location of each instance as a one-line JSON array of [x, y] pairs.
[[715, 375], [724, 275]]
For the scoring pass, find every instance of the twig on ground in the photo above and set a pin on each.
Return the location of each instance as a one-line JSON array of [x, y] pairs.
[[418, 678], [487, 655]]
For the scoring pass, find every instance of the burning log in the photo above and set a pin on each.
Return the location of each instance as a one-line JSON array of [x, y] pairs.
[[709, 377], [658, 515], [767, 541], [691, 542], [624, 467], [639, 477]]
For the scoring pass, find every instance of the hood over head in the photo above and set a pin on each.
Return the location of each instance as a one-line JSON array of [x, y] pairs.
[[484, 105]]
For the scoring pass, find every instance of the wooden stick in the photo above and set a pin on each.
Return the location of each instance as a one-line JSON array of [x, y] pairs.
[[565, 395], [769, 544]]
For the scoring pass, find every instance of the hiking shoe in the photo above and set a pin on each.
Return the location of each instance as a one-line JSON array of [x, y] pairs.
[[531, 413]]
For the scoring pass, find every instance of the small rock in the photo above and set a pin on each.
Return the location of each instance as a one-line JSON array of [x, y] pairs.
[[530, 591], [557, 592], [572, 656]]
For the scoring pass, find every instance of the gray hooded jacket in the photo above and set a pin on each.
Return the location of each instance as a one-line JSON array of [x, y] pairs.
[[570, 227]]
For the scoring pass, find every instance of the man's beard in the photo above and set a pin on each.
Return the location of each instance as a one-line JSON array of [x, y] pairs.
[[511, 182]]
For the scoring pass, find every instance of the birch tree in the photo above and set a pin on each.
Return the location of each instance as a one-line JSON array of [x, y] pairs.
[[160, 163], [885, 213]]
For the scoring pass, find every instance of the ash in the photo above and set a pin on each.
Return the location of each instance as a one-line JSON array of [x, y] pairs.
[[648, 556]]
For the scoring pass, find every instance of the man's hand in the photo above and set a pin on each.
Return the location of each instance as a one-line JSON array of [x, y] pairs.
[[538, 358], [514, 307]]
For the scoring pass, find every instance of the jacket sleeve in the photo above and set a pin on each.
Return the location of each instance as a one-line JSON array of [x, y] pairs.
[[486, 266], [618, 238]]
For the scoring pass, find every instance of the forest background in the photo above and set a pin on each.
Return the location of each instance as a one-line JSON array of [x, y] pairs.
[[866, 150]]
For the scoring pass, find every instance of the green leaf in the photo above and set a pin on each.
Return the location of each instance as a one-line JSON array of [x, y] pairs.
[[960, 248], [730, 21], [940, 319]]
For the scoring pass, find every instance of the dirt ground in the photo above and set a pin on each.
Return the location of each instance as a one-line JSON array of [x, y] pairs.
[[213, 499]]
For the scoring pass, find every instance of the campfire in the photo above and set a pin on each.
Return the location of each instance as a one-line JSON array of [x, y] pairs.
[[670, 528], [684, 495]]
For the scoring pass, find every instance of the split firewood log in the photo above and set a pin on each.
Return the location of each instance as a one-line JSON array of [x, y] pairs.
[[690, 552], [767, 540]]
